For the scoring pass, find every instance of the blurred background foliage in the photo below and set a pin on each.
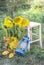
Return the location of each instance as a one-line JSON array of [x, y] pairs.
[[32, 9]]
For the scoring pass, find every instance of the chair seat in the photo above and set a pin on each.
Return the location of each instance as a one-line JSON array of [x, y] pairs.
[[34, 24]]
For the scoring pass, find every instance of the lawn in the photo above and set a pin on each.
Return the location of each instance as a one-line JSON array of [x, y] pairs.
[[34, 57]]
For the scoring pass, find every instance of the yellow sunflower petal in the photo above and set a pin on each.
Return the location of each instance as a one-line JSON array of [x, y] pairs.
[[11, 55], [5, 52]]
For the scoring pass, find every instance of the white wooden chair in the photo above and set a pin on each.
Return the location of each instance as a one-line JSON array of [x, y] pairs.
[[30, 33]]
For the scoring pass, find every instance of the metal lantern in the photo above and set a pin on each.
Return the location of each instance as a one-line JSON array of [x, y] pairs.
[[23, 46]]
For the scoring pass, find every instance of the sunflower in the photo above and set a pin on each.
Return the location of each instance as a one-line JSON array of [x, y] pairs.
[[25, 23], [18, 20], [8, 22], [13, 42]]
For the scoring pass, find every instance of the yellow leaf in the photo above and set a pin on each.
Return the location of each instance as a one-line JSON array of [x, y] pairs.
[[5, 52], [11, 55]]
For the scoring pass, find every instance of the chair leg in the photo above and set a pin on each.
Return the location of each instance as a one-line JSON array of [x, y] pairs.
[[28, 47], [40, 36], [30, 33]]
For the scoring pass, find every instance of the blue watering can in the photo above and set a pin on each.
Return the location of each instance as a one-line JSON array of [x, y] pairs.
[[23, 46]]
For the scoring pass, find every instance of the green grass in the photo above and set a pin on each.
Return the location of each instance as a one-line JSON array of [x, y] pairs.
[[34, 57]]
